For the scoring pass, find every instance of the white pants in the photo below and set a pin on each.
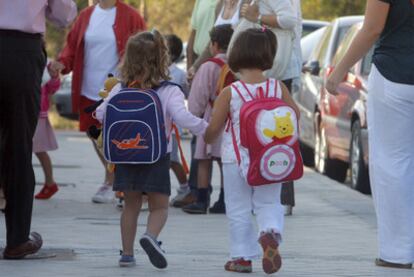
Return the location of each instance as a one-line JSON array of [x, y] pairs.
[[241, 199], [391, 165]]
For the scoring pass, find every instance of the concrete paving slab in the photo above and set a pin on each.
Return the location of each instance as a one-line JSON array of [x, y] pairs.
[[331, 233]]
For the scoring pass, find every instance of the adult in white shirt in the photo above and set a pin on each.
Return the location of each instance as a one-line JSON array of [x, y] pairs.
[[93, 49]]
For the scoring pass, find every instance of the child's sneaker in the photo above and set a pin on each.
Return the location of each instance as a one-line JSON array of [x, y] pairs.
[[127, 261], [47, 192], [181, 194], [120, 196], [104, 195], [144, 205], [272, 261], [239, 265], [154, 251], [120, 204]]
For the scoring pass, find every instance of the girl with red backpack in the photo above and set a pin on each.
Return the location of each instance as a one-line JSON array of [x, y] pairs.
[[252, 54]]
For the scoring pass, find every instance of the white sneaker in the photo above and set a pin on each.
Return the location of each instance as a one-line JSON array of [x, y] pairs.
[[181, 194], [104, 195]]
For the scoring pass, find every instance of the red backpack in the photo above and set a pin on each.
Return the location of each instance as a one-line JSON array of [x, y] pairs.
[[269, 151], [226, 77]]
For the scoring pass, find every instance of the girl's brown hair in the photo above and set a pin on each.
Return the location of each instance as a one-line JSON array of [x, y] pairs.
[[253, 49], [146, 60]]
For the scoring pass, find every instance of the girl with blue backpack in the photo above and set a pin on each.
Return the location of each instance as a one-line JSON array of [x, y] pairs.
[[137, 121], [260, 150]]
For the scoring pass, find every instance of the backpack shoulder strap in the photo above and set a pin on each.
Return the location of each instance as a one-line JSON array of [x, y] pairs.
[[217, 61], [237, 90], [278, 89], [167, 83], [180, 148]]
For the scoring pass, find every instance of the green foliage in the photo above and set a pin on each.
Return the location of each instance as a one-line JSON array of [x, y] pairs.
[[330, 9], [55, 37]]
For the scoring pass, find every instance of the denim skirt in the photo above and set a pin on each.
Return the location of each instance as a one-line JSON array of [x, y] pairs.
[[144, 178]]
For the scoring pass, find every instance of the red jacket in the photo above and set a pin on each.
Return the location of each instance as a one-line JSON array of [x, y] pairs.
[[127, 22]]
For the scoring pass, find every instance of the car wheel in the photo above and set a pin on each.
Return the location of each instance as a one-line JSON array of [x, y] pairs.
[[334, 169], [308, 155], [359, 172]]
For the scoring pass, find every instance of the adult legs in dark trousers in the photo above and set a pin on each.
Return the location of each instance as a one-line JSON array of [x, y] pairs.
[[288, 191], [22, 61]]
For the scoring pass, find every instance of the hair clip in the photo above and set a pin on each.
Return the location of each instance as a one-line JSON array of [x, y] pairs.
[[264, 28]]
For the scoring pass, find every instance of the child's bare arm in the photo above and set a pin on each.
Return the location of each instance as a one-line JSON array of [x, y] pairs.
[[220, 114], [288, 99]]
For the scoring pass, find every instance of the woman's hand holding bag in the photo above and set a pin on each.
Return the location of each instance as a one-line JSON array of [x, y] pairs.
[[284, 37]]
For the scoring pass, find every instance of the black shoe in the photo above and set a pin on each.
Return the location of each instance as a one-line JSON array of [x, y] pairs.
[[196, 208], [218, 208], [154, 251]]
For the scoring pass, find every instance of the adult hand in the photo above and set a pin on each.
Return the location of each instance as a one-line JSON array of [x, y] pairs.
[[333, 81], [250, 12], [55, 68]]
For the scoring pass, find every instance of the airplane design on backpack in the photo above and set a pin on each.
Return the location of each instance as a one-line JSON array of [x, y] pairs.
[[283, 127], [133, 143]]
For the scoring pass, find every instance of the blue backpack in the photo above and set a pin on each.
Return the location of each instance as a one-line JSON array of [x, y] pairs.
[[134, 128]]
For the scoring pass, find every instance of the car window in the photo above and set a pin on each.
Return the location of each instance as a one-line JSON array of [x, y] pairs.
[[340, 36], [309, 42], [323, 47], [307, 29], [344, 45]]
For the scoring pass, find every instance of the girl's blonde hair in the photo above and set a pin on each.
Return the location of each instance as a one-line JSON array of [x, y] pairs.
[[146, 60]]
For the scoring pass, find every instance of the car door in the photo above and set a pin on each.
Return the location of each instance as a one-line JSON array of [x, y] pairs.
[[337, 110], [310, 93]]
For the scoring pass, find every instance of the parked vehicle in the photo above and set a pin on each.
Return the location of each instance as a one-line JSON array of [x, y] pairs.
[[312, 130], [309, 42], [63, 98], [309, 26], [343, 117]]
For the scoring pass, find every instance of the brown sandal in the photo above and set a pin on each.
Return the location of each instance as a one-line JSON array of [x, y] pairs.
[[381, 262]]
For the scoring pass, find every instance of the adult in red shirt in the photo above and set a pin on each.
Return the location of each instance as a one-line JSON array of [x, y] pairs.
[[94, 47]]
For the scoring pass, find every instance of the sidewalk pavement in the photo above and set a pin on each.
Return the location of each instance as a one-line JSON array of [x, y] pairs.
[[331, 233]]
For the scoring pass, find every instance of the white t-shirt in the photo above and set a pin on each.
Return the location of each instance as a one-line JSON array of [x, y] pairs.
[[101, 55], [234, 20]]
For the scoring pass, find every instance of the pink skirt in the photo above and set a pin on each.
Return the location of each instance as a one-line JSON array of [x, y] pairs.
[[44, 138]]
